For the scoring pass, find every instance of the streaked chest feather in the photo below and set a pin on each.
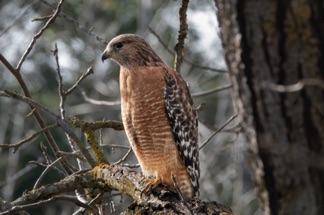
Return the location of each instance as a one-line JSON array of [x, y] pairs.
[[142, 101]]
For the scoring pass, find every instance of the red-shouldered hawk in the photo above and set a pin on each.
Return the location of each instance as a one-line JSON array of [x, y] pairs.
[[158, 115]]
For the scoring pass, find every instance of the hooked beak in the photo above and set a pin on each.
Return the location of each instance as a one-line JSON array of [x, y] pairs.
[[104, 56]]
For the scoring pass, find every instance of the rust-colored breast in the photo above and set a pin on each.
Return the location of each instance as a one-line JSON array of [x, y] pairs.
[[148, 128]]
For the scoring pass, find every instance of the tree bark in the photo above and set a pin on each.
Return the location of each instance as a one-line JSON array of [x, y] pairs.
[[107, 177], [275, 54]]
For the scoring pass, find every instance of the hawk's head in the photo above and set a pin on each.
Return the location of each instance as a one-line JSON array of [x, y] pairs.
[[130, 50]]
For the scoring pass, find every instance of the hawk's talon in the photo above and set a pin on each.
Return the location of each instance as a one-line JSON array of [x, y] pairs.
[[150, 184]]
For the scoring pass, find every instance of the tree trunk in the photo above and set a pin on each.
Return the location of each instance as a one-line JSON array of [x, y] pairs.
[[275, 54]]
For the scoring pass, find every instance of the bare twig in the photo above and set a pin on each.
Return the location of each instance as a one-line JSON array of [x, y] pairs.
[[97, 102], [182, 34], [44, 150], [200, 107], [58, 119], [63, 94], [75, 154], [36, 114], [78, 25], [18, 175], [131, 165], [184, 59], [124, 158], [92, 202], [60, 83], [115, 146], [27, 139], [48, 161], [42, 18], [44, 172], [219, 129], [52, 199], [39, 34], [31, 113], [204, 67], [161, 41], [17, 18], [82, 77], [294, 87], [214, 90]]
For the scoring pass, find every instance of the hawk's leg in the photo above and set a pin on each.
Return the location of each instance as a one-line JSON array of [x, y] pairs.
[[150, 184]]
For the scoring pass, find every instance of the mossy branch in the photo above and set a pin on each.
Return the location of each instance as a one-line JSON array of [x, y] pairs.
[[106, 177]]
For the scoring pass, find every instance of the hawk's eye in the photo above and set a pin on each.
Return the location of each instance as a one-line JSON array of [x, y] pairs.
[[119, 45]]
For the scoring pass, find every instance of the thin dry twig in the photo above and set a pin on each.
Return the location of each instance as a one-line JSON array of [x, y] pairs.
[[63, 95], [72, 199], [115, 146], [27, 139], [218, 130], [60, 83], [97, 102], [184, 59], [77, 154], [214, 90], [18, 175], [78, 82], [17, 19], [40, 178], [93, 203], [42, 18], [78, 25], [200, 107], [58, 119], [161, 41], [39, 34], [38, 117], [48, 161], [294, 87], [45, 154], [131, 165], [182, 34], [124, 158]]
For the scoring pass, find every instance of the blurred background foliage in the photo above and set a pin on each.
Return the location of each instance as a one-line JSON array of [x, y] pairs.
[[225, 176]]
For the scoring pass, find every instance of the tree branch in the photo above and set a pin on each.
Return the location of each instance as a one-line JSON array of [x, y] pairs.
[[82, 77], [38, 35], [214, 90], [99, 102], [218, 130], [294, 87], [184, 59], [78, 25], [27, 139], [36, 114], [57, 118], [183, 30], [129, 182]]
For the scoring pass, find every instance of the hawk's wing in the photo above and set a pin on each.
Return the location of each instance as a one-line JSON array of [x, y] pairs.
[[184, 122]]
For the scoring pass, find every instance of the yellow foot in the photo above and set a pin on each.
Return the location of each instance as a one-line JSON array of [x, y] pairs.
[[150, 184]]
